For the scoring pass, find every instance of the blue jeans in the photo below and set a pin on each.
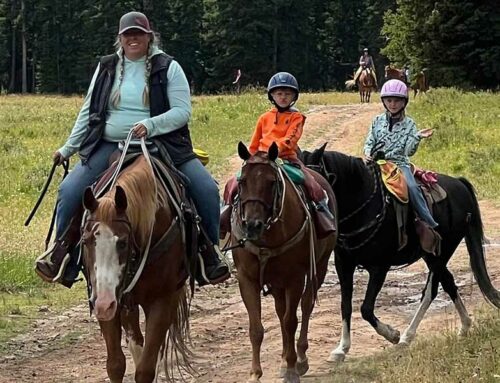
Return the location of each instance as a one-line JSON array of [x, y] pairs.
[[205, 193], [202, 189], [417, 199], [71, 190]]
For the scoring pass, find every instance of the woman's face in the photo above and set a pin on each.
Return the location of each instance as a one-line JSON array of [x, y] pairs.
[[135, 43]]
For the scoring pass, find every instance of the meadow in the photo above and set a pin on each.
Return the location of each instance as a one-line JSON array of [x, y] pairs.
[[466, 143]]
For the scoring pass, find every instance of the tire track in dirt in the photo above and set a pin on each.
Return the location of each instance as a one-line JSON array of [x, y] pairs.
[[69, 348]]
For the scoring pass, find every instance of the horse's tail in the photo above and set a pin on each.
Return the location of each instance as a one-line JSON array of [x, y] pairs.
[[474, 239], [177, 355], [349, 84]]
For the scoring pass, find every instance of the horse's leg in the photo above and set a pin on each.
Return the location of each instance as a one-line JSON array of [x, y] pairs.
[[159, 316], [375, 283], [290, 321], [443, 275], [135, 340], [250, 293], [345, 272], [115, 362], [307, 305], [428, 294], [280, 307]]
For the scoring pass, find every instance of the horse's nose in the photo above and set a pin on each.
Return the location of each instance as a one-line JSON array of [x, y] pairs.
[[254, 229], [105, 306]]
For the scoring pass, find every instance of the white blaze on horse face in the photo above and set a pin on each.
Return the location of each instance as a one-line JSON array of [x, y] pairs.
[[107, 263]]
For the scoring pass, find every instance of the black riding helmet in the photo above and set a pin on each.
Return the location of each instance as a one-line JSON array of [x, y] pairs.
[[283, 80]]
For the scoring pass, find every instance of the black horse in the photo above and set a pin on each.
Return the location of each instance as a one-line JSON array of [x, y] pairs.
[[368, 238]]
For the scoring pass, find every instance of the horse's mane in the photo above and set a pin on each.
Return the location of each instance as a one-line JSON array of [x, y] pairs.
[[340, 161], [138, 183]]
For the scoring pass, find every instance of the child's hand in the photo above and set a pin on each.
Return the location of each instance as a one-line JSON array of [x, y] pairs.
[[367, 159], [425, 133]]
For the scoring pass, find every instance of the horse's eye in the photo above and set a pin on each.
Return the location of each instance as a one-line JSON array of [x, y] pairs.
[[121, 245]]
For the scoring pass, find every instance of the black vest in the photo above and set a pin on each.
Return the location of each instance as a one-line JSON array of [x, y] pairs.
[[177, 143]]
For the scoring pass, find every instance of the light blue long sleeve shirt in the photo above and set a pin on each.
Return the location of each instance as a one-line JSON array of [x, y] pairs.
[[131, 109], [399, 144]]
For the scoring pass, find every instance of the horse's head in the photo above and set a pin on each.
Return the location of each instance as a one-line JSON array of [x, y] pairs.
[[259, 190], [315, 161], [108, 243]]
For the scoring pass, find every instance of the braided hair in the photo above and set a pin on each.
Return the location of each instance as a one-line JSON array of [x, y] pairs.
[[115, 97]]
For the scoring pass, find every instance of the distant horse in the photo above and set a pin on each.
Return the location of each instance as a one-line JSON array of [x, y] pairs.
[[280, 251], [421, 84], [132, 219], [365, 82], [395, 73], [368, 238]]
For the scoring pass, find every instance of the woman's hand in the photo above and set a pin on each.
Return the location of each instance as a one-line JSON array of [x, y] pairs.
[[426, 132], [58, 157], [140, 131]]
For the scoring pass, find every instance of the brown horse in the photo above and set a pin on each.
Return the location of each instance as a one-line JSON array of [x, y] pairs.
[[394, 73], [280, 251], [421, 84], [365, 83], [134, 227]]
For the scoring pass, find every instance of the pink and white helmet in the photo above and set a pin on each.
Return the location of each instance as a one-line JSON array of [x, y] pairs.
[[394, 88]]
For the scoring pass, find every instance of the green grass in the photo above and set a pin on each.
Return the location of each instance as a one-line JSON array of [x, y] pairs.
[[466, 140], [443, 359]]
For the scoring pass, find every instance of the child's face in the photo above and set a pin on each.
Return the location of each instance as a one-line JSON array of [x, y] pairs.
[[283, 97], [394, 104]]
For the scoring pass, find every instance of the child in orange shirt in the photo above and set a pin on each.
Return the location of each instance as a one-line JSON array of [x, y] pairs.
[[284, 124]]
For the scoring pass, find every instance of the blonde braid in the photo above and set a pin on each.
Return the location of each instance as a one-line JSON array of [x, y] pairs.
[[147, 74], [115, 98]]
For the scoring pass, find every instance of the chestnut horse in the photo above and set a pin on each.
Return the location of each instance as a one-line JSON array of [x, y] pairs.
[[368, 238], [280, 251], [365, 82], [135, 227], [394, 73], [421, 84]]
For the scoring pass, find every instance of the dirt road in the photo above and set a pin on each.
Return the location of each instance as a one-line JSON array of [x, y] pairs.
[[68, 347]]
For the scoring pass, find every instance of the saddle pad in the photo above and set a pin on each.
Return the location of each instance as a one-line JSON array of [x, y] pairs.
[[295, 173], [394, 180]]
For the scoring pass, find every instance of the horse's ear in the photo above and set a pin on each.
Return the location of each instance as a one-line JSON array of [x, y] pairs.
[[89, 201], [273, 151], [322, 148], [120, 199], [243, 151]]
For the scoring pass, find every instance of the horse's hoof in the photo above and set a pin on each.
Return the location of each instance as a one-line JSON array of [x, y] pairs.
[[253, 379], [291, 376], [395, 337], [403, 344], [282, 372], [302, 366], [336, 357]]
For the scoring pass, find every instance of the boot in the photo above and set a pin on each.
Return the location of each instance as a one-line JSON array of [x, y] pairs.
[[225, 221], [324, 220], [51, 265], [430, 239], [211, 269]]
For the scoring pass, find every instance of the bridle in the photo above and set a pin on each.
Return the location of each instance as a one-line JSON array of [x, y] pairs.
[[132, 259], [278, 200]]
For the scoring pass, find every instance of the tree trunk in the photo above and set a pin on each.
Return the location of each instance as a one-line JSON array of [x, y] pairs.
[[12, 82], [24, 88]]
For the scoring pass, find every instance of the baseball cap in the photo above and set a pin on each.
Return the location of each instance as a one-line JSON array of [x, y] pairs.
[[134, 20]]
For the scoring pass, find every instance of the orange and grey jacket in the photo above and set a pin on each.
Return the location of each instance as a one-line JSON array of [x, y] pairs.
[[284, 128]]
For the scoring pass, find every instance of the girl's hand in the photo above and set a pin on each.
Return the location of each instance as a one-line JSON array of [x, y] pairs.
[[58, 157], [367, 159], [140, 131], [426, 132]]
